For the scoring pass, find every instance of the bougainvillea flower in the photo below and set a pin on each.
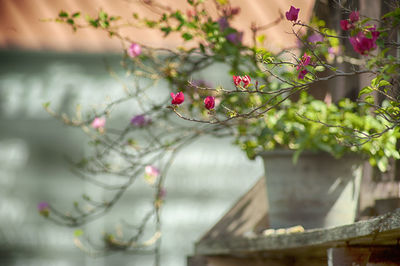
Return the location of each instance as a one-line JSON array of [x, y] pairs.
[[246, 81], [44, 208], [140, 120], [151, 174], [237, 80], [345, 25], [362, 44], [134, 50], [316, 37], [292, 14], [229, 11], [354, 16], [98, 122], [223, 23], [235, 38], [209, 102], [178, 98], [302, 74], [305, 61]]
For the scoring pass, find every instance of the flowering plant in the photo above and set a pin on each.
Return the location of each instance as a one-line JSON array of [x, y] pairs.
[[256, 108]]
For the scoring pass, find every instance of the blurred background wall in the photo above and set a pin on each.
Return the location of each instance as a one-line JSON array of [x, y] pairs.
[[45, 61]]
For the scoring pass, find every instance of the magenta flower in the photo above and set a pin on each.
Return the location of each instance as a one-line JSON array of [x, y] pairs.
[[354, 16], [346, 25], [302, 74], [98, 123], [178, 98], [209, 102], [140, 120], [305, 61], [292, 14], [134, 50], [362, 44], [235, 38], [237, 80], [316, 37]]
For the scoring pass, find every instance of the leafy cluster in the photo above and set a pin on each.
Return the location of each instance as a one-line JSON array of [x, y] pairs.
[[313, 125]]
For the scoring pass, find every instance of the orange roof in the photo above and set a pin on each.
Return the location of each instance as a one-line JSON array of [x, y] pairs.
[[21, 26]]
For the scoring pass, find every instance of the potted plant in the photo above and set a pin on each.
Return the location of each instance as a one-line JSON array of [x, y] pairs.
[[313, 160], [256, 108]]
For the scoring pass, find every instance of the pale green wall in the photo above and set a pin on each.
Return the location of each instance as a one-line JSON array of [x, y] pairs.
[[206, 179]]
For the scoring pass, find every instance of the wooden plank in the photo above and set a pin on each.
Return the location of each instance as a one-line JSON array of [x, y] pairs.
[[383, 230]]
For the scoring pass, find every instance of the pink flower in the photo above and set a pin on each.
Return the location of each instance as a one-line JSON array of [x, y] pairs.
[[178, 98], [316, 37], [362, 44], [305, 61], [292, 14], [302, 74], [134, 50], [237, 80], [354, 16], [140, 120], [44, 208], [151, 174], [346, 25], [209, 102], [98, 123], [151, 170]]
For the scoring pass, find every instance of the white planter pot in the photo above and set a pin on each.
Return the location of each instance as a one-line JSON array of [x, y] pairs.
[[317, 192]]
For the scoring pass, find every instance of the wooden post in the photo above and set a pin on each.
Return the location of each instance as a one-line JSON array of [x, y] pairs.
[[383, 256]]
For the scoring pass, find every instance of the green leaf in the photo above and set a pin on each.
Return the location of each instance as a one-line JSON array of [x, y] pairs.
[[76, 15], [46, 105], [70, 21], [319, 68], [63, 14], [78, 232], [202, 49], [369, 99], [365, 90], [384, 83], [187, 36], [103, 15]]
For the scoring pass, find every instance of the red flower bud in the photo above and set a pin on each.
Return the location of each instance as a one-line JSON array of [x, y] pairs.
[[209, 102], [178, 98]]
